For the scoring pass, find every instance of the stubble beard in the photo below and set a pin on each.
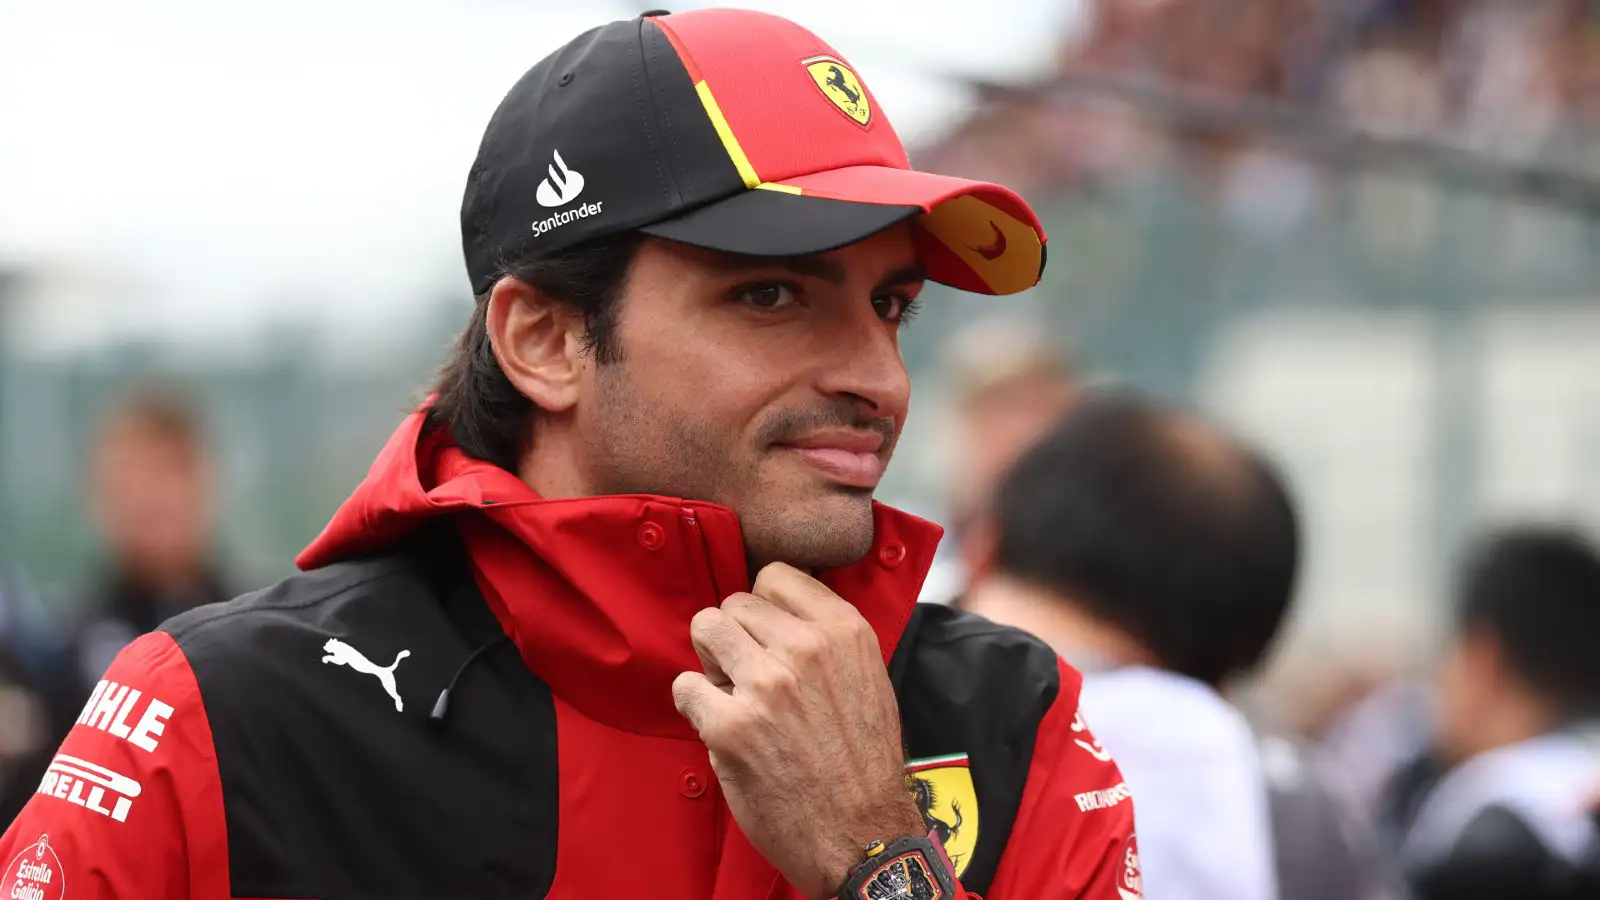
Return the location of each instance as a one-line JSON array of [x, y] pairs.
[[639, 447]]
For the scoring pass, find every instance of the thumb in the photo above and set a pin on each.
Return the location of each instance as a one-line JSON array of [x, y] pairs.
[[698, 700]]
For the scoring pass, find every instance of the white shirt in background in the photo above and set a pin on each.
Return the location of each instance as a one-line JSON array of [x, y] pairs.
[[1192, 764]]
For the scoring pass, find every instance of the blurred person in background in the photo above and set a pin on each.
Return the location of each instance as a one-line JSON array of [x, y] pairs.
[[1159, 556], [1010, 382], [1502, 804], [152, 495], [33, 688], [1362, 745]]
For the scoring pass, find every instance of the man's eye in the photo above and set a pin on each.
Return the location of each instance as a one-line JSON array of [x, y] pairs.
[[771, 296], [897, 308]]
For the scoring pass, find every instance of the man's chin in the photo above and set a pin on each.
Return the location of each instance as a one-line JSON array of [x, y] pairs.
[[822, 532]]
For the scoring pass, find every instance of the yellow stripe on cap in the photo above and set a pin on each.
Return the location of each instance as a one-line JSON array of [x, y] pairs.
[[729, 142], [780, 188]]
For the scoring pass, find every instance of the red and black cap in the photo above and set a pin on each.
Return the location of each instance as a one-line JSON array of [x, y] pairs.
[[727, 129]]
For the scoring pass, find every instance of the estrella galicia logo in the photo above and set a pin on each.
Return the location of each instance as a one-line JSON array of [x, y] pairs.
[[562, 187], [36, 873], [1130, 886]]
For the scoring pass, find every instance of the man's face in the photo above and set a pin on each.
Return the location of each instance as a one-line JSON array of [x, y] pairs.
[[152, 497], [772, 387], [1467, 686]]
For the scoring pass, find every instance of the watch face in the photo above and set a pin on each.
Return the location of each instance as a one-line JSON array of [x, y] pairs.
[[907, 876]]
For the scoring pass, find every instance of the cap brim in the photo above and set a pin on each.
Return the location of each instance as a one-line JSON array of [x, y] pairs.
[[970, 235]]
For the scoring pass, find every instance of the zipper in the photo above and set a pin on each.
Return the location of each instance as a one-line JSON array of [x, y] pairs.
[[707, 580]]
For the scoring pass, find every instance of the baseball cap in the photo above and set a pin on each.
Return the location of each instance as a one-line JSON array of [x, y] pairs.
[[727, 129]]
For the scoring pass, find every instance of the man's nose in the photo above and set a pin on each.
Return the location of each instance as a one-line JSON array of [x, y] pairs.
[[864, 364]]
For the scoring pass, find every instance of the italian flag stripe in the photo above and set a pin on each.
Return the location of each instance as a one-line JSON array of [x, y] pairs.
[[935, 762]]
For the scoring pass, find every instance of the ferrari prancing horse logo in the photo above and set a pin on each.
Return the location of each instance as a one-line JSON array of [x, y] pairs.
[[838, 82], [942, 787]]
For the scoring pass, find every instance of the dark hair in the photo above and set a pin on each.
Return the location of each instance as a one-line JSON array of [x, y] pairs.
[[1159, 526], [1536, 590], [163, 409], [487, 416]]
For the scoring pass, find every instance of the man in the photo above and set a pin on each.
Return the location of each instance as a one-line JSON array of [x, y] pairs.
[[1517, 704], [616, 614], [1159, 556], [1010, 383], [151, 489]]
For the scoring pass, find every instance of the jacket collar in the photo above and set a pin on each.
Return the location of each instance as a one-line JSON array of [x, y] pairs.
[[597, 592]]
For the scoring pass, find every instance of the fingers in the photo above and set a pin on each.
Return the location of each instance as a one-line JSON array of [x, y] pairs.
[[797, 593], [699, 701], [825, 617], [727, 652], [760, 618]]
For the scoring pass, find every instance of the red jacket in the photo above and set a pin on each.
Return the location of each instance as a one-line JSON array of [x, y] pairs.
[[281, 745]]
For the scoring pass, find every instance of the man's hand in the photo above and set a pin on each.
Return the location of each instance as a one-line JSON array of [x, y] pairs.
[[796, 708]]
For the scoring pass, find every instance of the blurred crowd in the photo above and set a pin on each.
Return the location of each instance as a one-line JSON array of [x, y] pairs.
[[1518, 81], [1159, 554]]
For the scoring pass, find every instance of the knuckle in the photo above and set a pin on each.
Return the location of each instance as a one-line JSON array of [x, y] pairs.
[[809, 646], [858, 629], [713, 731], [774, 576], [705, 621], [728, 729], [774, 681], [849, 626]]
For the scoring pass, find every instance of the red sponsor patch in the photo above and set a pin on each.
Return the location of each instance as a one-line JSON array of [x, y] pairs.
[[36, 874]]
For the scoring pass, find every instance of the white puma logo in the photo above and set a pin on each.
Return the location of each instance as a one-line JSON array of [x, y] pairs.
[[342, 654]]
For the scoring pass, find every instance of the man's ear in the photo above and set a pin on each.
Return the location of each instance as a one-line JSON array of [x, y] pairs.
[[538, 342]]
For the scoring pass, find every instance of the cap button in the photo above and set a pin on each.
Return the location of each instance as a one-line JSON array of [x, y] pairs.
[[892, 554], [651, 537]]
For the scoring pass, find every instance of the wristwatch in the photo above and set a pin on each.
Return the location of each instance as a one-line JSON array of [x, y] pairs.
[[911, 868]]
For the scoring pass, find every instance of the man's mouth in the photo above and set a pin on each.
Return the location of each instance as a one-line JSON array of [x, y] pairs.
[[847, 456]]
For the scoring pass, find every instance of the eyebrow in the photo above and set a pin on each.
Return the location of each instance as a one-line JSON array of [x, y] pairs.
[[820, 267], [908, 274]]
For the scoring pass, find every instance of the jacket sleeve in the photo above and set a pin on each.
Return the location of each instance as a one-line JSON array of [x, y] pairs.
[[1073, 837], [131, 806]]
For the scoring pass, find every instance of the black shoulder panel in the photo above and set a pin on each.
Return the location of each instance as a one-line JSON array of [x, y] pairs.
[[969, 686], [333, 786]]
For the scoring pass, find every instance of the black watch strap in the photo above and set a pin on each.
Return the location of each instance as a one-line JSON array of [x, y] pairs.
[[911, 868]]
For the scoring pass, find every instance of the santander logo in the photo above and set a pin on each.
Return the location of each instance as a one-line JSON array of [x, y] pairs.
[[562, 187]]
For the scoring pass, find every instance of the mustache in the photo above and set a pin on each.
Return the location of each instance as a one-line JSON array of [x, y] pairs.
[[788, 424]]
